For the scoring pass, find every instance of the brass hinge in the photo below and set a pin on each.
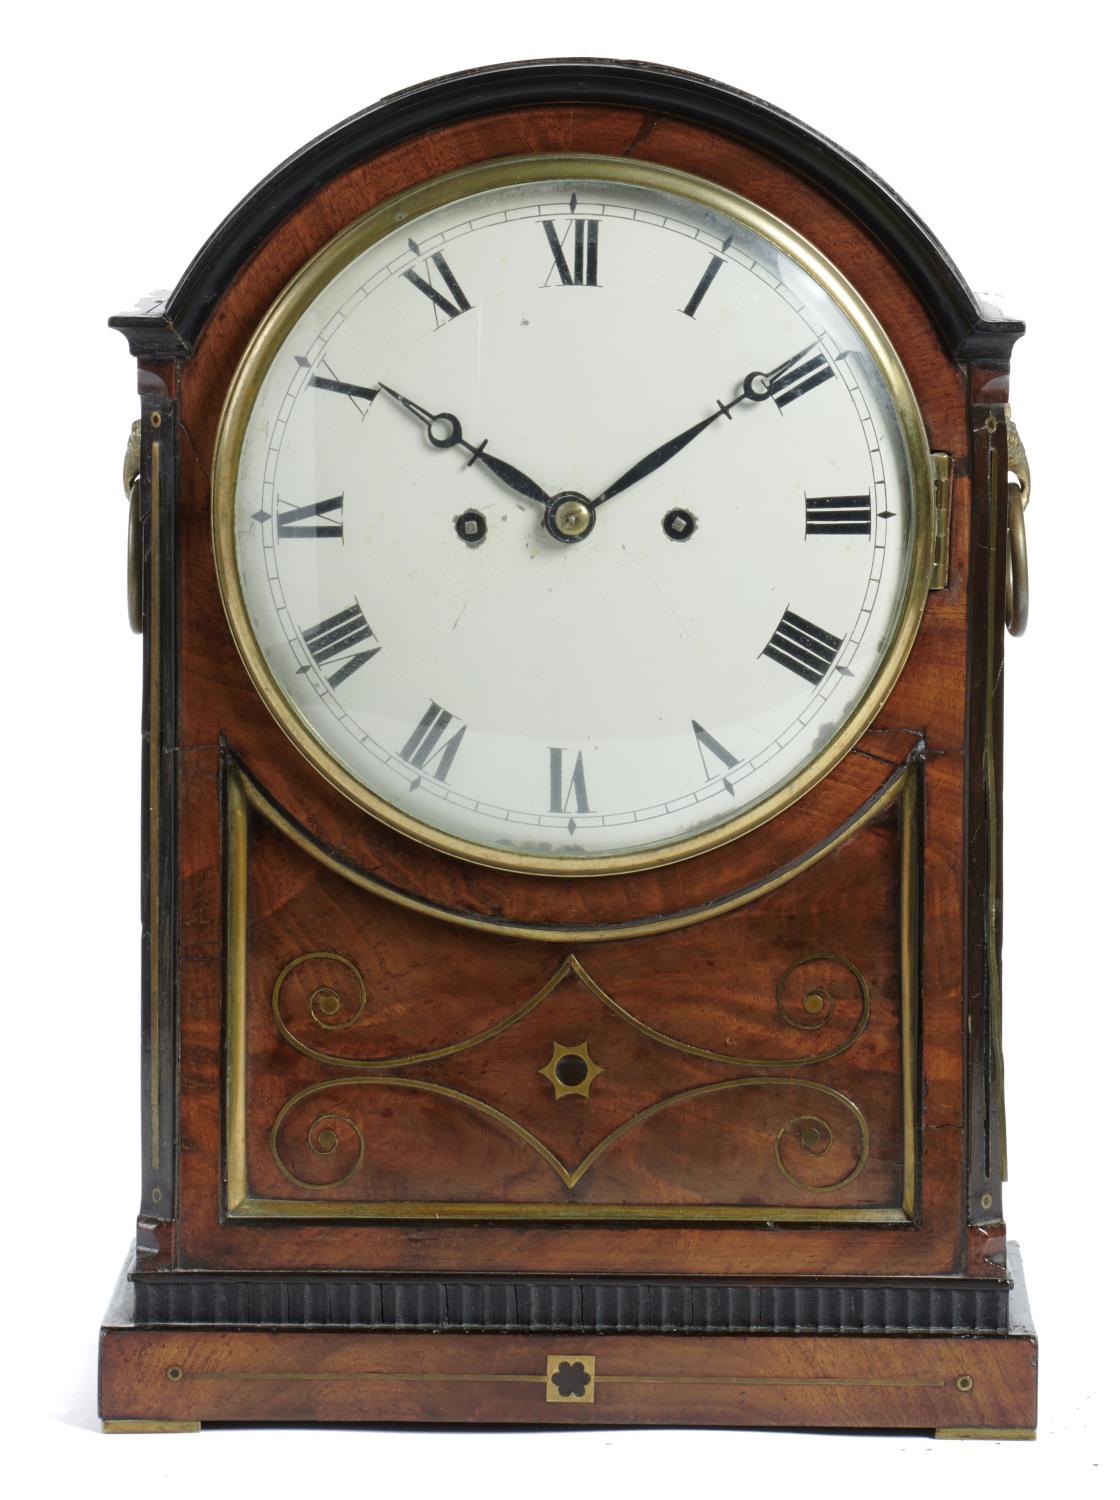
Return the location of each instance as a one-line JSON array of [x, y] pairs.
[[942, 507]]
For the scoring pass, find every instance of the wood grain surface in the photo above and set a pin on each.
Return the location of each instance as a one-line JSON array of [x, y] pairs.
[[761, 1381]]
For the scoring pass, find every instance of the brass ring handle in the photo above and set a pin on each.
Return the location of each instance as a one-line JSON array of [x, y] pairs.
[[1017, 460], [131, 478], [1018, 576], [132, 458]]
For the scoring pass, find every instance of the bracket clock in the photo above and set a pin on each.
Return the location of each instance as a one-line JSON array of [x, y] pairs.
[[573, 538]]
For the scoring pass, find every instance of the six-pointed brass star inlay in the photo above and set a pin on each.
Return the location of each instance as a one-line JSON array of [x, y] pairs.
[[571, 1070]]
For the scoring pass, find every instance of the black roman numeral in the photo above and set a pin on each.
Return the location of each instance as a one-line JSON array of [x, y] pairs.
[[838, 515], [805, 376], [451, 306], [803, 647], [702, 286], [291, 522], [560, 798], [584, 267], [344, 388], [333, 641], [424, 743]]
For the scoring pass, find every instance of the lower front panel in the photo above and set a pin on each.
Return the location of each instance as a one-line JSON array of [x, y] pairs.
[[755, 1067]]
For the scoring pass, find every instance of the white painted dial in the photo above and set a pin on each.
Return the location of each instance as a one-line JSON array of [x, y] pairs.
[[573, 519]]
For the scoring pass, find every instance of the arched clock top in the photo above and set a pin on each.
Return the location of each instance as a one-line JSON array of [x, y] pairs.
[[972, 330]]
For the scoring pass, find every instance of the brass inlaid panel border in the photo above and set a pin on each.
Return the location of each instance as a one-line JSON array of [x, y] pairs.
[[584, 1378], [155, 740], [573, 969], [568, 1176], [241, 797], [236, 853], [997, 1104], [909, 915], [253, 797]]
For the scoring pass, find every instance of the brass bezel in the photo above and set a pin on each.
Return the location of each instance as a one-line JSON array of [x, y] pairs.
[[365, 231]]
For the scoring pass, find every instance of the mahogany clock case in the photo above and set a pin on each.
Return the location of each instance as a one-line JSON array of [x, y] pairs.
[[810, 1013]]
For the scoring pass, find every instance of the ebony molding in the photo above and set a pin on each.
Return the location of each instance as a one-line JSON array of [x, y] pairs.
[[561, 1306], [971, 330]]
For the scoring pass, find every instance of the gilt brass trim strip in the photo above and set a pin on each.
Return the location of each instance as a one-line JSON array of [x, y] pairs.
[[613, 1213], [873, 1381], [155, 652], [237, 915], [256, 799], [910, 979], [991, 816], [321, 269], [369, 1377], [381, 1377]]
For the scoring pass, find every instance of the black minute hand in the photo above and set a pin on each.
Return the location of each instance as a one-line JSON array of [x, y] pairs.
[[667, 451], [446, 431], [756, 387]]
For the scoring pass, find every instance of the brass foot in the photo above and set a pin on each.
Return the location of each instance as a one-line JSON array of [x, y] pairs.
[[146, 1424], [998, 1434]]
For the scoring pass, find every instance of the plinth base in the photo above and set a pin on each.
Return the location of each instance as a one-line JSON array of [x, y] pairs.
[[170, 1378]]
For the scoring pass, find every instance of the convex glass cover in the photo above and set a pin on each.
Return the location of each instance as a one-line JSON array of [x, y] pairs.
[[572, 514]]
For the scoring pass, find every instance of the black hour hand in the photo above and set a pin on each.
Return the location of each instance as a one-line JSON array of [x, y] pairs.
[[446, 431]]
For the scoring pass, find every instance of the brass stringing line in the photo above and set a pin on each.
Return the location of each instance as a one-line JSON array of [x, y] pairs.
[[886, 796], [374, 1376], [380, 1376], [551, 1211], [571, 1178], [727, 1057], [422, 1086], [815, 1380], [995, 982], [333, 1059], [995, 987], [571, 967], [733, 1083], [154, 719], [237, 884], [910, 980]]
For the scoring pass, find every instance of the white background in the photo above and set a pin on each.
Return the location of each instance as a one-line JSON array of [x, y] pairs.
[[129, 131]]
